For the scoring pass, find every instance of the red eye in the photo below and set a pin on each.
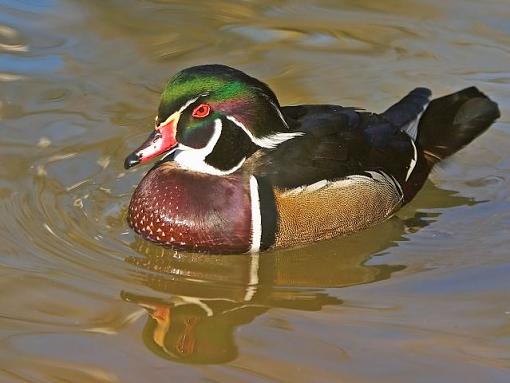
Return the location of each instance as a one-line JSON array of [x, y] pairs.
[[201, 111]]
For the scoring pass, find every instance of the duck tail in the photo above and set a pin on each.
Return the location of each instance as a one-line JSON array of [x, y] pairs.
[[451, 122]]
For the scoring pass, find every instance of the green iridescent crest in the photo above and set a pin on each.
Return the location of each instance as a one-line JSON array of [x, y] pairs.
[[229, 92]]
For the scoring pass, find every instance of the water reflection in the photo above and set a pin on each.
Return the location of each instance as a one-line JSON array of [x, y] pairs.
[[207, 297], [200, 300], [80, 81]]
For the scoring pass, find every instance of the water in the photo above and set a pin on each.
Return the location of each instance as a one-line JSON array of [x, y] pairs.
[[423, 297]]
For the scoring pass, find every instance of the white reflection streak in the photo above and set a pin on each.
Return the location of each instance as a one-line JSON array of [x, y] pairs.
[[254, 277], [130, 318]]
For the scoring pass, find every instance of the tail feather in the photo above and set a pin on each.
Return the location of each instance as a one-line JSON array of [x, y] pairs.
[[406, 113], [451, 122]]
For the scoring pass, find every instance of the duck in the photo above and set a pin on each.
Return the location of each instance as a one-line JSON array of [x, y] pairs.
[[240, 173]]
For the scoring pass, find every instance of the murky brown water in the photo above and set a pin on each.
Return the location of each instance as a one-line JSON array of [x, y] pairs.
[[424, 297]]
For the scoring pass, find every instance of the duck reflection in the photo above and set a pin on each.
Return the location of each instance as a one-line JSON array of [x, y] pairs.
[[208, 297], [193, 330], [200, 300]]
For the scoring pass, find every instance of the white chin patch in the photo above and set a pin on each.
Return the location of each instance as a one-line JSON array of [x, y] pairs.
[[194, 159]]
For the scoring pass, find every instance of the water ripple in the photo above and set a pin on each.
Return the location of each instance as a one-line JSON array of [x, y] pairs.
[[80, 84]]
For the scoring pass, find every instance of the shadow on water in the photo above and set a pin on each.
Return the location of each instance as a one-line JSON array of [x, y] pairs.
[[200, 299]]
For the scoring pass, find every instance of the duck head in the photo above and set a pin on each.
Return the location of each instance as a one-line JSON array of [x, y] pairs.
[[211, 118]]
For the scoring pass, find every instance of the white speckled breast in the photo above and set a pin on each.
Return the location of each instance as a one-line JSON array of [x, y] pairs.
[[192, 211]]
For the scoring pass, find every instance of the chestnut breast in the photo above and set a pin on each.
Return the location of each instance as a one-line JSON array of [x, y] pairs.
[[192, 211]]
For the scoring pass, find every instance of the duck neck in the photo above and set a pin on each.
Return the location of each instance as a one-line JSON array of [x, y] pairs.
[[227, 150]]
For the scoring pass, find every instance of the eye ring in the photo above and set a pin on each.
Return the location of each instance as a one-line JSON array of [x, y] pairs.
[[201, 111]]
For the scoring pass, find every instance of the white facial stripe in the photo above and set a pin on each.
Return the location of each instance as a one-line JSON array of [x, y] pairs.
[[177, 115], [268, 142], [187, 159], [188, 103], [279, 114], [173, 117], [256, 219], [413, 160], [194, 159]]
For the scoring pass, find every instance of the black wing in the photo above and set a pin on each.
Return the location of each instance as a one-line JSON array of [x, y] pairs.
[[339, 142]]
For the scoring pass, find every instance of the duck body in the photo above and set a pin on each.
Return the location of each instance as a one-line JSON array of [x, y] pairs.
[[243, 174]]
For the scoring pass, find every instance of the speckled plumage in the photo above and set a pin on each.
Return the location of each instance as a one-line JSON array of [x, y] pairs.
[[192, 211], [246, 174], [333, 209]]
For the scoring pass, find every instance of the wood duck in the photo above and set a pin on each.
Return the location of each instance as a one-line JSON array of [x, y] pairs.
[[240, 173]]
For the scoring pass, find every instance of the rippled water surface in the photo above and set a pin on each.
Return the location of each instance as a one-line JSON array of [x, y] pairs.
[[423, 297]]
